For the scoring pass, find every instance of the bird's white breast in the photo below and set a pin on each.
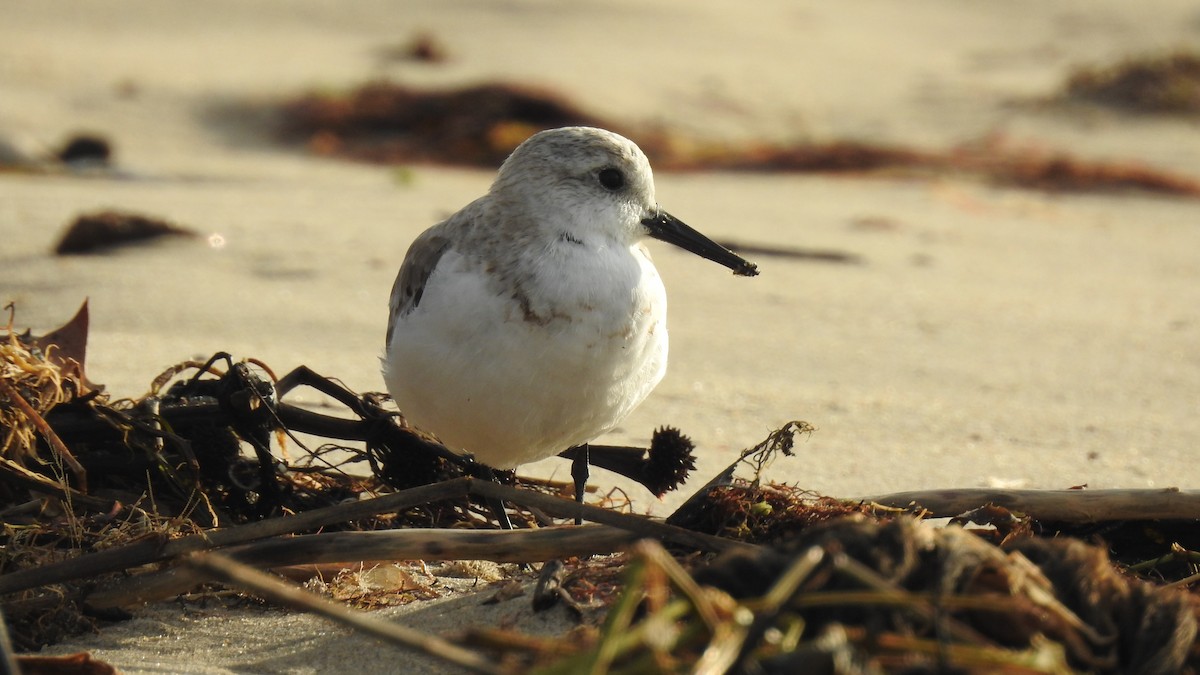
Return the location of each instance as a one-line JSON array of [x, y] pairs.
[[516, 373]]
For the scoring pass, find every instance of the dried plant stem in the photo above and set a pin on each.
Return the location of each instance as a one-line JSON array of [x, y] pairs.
[[39, 483], [731, 654], [1044, 656], [890, 593]]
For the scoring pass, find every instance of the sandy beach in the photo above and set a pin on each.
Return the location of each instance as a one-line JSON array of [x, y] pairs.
[[984, 335]]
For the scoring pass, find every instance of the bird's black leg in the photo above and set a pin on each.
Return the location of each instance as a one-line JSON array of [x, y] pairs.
[[579, 471], [485, 472]]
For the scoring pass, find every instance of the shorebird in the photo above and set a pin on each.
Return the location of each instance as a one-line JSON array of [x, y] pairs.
[[533, 320]]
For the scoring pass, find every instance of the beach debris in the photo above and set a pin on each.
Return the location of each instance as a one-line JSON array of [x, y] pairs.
[[66, 348], [378, 585], [856, 595], [71, 664], [203, 449], [104, 230], [791, 252], [37, 374], [480, 125], [386, 122], [1162, 84], [85, 149], [550, 590], [802, 580], [13, 158], [424, 47], [84, 153], [1037, 166]]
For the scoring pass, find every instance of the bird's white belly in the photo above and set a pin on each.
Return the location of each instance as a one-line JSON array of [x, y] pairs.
[[489, 378]]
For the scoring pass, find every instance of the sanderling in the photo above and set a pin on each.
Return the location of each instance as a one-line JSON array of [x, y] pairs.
[[533, 320]]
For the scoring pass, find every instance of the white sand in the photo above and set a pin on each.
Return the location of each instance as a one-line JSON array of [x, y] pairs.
[[991, 336]]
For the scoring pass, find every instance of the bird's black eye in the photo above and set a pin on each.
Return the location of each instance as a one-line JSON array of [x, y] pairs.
[[612, 179]]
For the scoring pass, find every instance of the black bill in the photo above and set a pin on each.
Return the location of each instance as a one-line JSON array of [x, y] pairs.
[[670, 229]]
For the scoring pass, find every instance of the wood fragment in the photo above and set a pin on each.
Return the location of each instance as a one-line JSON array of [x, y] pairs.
[[1071, 506]]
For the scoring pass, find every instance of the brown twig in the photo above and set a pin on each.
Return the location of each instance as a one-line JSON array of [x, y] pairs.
[[38, 483]]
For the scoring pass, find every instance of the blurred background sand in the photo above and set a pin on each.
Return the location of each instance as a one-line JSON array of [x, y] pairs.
[[988, 335]]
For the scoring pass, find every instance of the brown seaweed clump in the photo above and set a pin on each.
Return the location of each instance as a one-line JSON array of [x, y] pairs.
[[762, 514], [385, 122], [953, 589], [854, 595], [103, 230], [1168, 84], [38, 374], [480, 125]]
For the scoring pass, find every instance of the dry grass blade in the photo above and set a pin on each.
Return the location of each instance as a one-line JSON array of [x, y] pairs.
[[35, 419], [731, 651], [668, 628], [889, 593]]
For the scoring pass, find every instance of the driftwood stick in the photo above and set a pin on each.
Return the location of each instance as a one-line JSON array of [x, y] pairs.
[[567, 508], [149, 551], [234, 573], [435, 544], [1072, 506], [354, 548]]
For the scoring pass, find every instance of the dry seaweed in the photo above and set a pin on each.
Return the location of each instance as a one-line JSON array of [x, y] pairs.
[[856, 596], [204, 449], [36, 376], [103, 230], [849, 585], [1166, 83], [480, 125], [384, 122], [424, 47], [86, 149]]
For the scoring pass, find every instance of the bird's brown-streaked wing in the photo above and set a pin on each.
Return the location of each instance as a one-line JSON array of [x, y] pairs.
[[422, 258]]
